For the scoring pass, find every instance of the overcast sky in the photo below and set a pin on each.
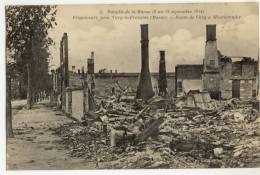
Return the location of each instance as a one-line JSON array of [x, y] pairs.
[[116, 43]]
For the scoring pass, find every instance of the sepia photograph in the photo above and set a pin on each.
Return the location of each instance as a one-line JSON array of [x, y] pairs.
[[132, 86]]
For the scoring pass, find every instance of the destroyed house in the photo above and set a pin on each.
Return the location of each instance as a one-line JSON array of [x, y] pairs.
[[238, 78], [188, 77], [222, 76]]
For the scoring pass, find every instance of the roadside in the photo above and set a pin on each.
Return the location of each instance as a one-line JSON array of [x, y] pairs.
[[18, 105], [35, 146]]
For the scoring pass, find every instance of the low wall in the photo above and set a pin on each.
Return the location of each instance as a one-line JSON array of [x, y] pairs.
[[188, 84], [104, 82], [77, 104], [74, 103]]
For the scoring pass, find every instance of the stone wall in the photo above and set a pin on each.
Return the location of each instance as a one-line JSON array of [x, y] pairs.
[[245, 72]]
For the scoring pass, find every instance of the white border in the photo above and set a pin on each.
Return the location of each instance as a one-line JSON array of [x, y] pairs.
[[31, 2], [237, 171]]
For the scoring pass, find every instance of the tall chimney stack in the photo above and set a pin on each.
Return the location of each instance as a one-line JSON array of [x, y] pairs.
[[92, 55], [211, 32], [82, 71], [211, 65], [211, 61], [162, 81], [73, 68], [144, 88], [91, 64]]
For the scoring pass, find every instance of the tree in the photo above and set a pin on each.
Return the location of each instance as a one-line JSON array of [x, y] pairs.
[[26, 39], [26, 27], [9, 128]]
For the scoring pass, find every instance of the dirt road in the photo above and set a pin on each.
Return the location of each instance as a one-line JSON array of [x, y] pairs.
[[35, 147]]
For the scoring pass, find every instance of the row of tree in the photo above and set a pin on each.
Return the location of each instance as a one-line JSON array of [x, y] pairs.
[[27, 51]]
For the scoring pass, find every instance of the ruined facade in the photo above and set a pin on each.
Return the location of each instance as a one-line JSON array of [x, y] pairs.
[[223, 77], [238, 79]]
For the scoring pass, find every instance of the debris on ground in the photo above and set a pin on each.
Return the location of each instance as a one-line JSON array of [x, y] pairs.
[[167, 133]]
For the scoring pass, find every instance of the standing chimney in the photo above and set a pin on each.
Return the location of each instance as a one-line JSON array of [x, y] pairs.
[[211, 60], [211, 32], [144, 88], [211, 65], [82, 71], [91, 72], [73, 68], [162, 81], [92, 55], [91, 64]]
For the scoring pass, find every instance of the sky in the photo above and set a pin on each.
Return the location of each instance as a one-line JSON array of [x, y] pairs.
[[116, 43]]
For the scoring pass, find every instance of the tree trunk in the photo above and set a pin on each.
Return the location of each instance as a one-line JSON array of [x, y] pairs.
[[20, 87], [29, 87], [9, 128]]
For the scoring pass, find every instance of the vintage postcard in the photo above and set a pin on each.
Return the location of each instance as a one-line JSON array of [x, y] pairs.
[[132, 86]]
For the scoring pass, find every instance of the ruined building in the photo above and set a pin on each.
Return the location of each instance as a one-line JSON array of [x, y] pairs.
[[238, 79], [222, 76], [144, 88]]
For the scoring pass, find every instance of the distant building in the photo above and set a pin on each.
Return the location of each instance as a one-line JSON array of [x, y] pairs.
[[221, 76]]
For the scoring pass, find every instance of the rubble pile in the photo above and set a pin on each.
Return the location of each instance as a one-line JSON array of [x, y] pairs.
[[159, 134]]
